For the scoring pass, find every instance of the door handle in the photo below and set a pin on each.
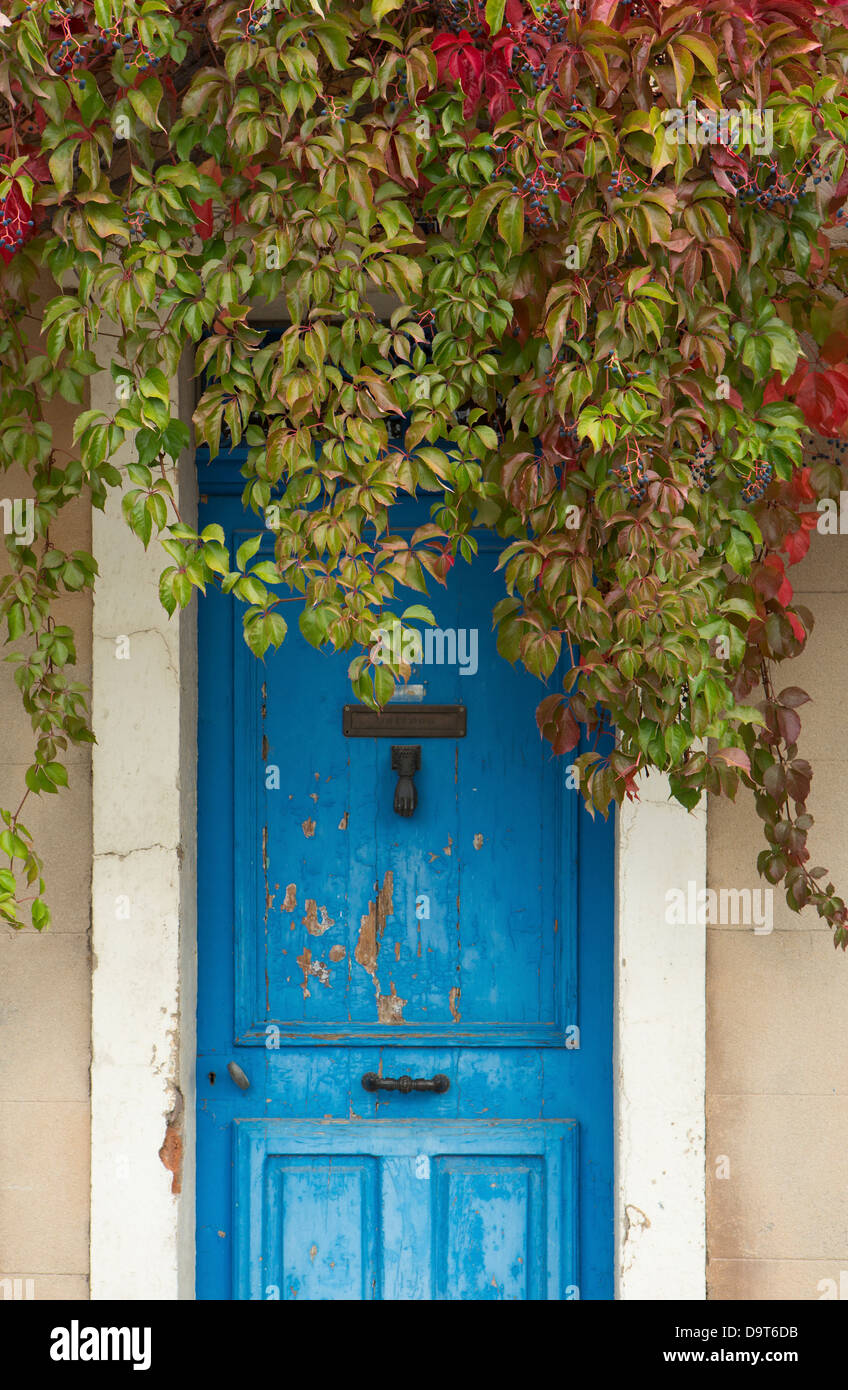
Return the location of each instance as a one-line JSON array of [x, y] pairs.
[[372, 1082], [238, 1076]]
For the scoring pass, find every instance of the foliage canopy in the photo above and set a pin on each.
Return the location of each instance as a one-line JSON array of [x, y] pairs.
[[566, 268]]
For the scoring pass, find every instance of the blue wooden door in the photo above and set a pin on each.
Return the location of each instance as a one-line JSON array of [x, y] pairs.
[[338, 939]]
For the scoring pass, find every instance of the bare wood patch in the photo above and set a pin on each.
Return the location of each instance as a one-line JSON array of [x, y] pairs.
[[314, 925], [314, 968], [390, 1007], [371, 927]]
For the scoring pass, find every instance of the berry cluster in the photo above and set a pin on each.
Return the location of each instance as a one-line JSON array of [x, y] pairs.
[[534, 34], [70, 52], [107, 40], [73, 50], [569, 434], [840, 445], [142, 58], [766, 186], [540, 30], [553, 22], [253, 21], [612, 363], [624, 181], [332, 108], [632, 472], [456, 15], [534, 189], [137, 222], [15, 225], [701, 467], [571, 121], [537, 72], [757, 483], [550, 374]]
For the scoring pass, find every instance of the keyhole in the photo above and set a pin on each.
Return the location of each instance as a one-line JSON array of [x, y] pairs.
[[211, 1078]]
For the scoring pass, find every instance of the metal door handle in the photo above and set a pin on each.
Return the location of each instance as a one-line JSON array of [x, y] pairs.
[[372, 1082], [238, 1076]]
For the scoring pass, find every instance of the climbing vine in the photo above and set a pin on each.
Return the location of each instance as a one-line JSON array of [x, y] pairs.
[[566, 269]]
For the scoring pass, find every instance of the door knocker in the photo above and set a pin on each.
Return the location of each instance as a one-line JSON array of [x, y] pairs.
[[406, 761]]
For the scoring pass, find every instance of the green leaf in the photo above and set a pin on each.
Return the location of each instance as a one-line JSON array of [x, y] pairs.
[[495, 15], [314, 623], [511, 222], [739, 551], [783, 353], [40, 914], [142, 102], [384, 684], [418, 613], [756, 354], [703, 48], [482, 208], [61, 164], [247, 550], [154, 385]]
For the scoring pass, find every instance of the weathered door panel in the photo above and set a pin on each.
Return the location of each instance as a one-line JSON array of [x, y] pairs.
[[493, 1206], [327, 875], [338, 938]]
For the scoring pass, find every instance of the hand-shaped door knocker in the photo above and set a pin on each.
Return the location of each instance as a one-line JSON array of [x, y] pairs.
[[406, 761]]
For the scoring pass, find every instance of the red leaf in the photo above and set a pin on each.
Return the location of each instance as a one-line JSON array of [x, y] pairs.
[[545, 710], [797, 545], [737, 757], [822, 396], [797, 626], [789, 724], [800, 486], [784, 593], [631, 791], [205, 225], [793, 696], [568, 732]]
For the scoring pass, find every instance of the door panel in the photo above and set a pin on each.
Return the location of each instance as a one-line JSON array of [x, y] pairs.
[[337, 938], [405, 1210], [494, 959]]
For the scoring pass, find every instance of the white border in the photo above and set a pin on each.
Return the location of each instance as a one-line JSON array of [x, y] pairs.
[[144, 975]]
